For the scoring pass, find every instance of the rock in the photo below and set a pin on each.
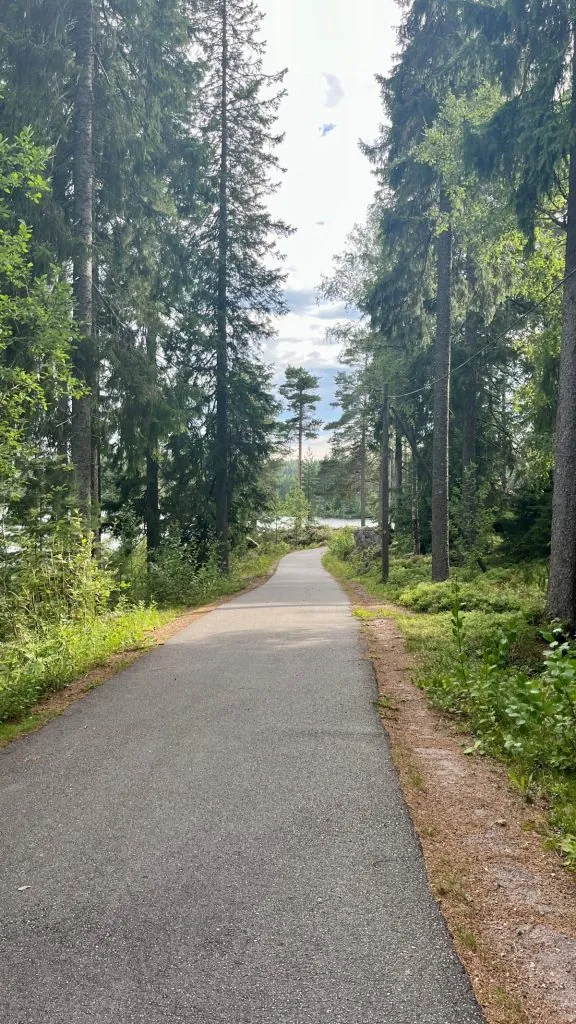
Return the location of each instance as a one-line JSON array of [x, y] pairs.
[[368, 537]]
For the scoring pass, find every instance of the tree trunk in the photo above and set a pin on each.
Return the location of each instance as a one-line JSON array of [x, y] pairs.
[[469, 434], [300, 444], [221, 481], [96, 495], [96, 485], [385, 488], [81, 434], [152, 498], [415, 508], [410, 436], [363, 473], [398, 469], [561, 602], [440, 453]]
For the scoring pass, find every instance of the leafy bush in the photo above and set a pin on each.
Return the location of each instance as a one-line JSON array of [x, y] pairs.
[[526, 718], [180, 578], [341, 543], [477, 596], [53, 582]]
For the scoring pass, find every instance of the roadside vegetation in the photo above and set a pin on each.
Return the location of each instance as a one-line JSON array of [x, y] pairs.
[[485, 656], [65, 614]]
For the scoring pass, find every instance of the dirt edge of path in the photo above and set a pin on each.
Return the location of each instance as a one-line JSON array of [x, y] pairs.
[[509, 904], [57, 702]]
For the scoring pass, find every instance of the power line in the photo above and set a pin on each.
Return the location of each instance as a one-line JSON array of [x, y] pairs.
[[490, 344]]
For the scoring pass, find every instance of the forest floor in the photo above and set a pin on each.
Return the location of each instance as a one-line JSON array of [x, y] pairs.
[[508, 902]]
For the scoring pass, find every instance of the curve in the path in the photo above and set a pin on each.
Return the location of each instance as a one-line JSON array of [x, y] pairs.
[[218, 837]]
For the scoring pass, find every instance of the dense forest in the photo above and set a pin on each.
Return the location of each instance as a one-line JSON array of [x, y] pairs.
[[139, 276], [143, 441], [464, 274]]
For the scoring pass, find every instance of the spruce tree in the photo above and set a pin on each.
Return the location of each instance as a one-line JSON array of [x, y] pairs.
[[531, 141], [352, 431], [420, 212], [238, 286], [298, 390]]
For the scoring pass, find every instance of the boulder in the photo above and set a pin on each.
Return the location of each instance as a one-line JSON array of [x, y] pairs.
[[367, 538]]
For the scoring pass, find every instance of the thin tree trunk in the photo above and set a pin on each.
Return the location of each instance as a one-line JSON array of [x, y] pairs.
[[469, 423], [300, 445], [81, 434], [63, 429], [440, 452], [96, 486], [385, 488], [96, 497], [221, 482], [152, 498], [398, 468], [410, 436], [415, 508], [561, 602], [363, 473]]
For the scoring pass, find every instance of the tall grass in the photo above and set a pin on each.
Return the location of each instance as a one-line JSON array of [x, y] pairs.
[[62, 613]]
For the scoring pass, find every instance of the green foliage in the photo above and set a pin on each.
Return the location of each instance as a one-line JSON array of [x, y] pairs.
[[35, 329], [298, 390], [501, 589], [342, 544], [482, 657], [59, 619], [297, 509], [49, 658], [53, 581], [527, 718], [182, 577]]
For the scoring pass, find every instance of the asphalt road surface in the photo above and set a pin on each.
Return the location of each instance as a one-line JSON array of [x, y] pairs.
[[217, 836]]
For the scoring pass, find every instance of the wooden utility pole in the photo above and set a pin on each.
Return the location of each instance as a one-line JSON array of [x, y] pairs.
[[385, 486]]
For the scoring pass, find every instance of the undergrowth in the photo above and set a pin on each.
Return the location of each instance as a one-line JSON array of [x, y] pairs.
[[48, 659], [484, 656], [65, 615], [178, 577]]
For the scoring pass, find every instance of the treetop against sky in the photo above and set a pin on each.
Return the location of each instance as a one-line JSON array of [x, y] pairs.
[[332, 51]]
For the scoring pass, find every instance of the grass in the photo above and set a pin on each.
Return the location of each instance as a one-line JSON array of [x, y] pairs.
[[481, 657], [52, 657], [49, 657], [11, 730]]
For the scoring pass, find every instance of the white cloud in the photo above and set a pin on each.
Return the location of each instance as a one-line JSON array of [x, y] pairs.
[[329, 184], [334, 90]]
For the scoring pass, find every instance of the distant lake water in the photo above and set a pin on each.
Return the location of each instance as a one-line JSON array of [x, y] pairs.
[[337, 523]]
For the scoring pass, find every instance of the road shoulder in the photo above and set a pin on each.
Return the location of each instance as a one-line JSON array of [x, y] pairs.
[[509, 905]]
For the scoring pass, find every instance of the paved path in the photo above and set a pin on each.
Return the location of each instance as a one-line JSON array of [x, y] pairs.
[[218, 837]]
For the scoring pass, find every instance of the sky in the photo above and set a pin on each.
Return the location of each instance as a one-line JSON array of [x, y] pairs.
[[332, 49]]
